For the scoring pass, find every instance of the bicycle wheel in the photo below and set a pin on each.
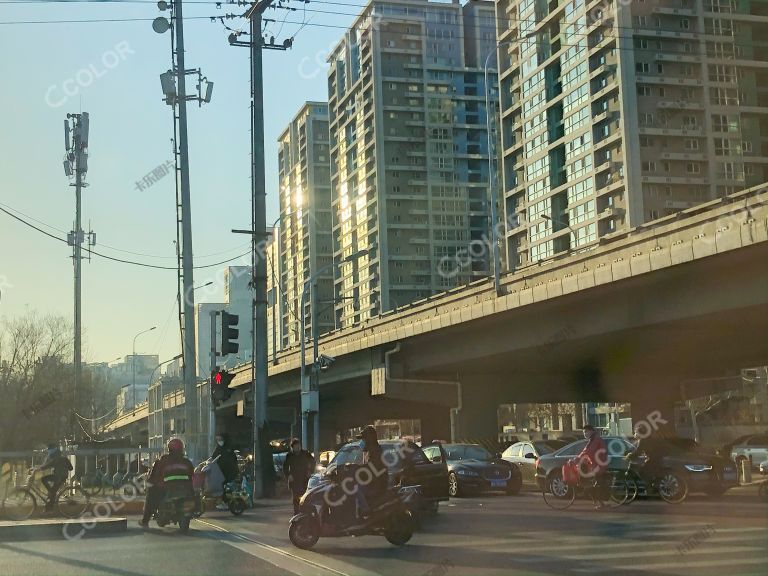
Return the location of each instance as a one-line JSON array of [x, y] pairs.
[[560, 496], [72, 501], [19, 504], [632, 490], [672, 488], [618, 491]]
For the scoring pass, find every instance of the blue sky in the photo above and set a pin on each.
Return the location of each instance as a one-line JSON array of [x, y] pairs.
[[130, 134]]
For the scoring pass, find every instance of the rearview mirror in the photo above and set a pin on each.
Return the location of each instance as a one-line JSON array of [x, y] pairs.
[[530, 455]]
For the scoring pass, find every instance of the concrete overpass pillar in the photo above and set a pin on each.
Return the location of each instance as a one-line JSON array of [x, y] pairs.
[[653, 400], [477, 421], [435, 424]]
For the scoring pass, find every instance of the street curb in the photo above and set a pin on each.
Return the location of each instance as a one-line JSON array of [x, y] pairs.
[[56, 529]]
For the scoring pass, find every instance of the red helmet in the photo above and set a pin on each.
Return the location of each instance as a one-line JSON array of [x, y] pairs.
[[176, 445]]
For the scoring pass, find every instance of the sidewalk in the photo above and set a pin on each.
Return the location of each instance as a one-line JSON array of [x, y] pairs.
[[60, 528]]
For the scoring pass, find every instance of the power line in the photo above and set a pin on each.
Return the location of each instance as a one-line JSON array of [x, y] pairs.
[[385, 17], [131, 262], [33, 219]]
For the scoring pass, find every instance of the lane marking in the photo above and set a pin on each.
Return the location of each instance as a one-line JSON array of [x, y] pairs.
[[298, 563]]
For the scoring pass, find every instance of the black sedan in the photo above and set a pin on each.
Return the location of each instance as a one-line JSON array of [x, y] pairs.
[[406, 465], [701, 472], [525, 454], [472, 469]]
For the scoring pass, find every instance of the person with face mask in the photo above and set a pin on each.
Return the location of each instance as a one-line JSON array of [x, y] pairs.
[[297, 468], [593, 462], [378, 474], [227, 462]]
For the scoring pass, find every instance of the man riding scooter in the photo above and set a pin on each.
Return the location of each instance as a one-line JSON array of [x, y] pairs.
[[173, 472]]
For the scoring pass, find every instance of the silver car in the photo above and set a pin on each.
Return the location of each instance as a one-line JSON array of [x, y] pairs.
[[754, 448]]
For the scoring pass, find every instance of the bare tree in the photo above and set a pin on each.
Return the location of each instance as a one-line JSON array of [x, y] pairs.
[[35, 379]]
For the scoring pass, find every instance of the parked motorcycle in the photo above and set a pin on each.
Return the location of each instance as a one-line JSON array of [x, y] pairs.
[[178, 507], [327, 512]]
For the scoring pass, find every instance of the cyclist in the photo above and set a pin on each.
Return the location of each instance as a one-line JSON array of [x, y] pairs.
[[655, 449], [60, 467], [593, 462], [172, 470]]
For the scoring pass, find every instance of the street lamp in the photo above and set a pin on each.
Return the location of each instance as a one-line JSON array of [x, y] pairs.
[[491, 171], [563, 224], [133, 364], [162, 397], [310, 401]]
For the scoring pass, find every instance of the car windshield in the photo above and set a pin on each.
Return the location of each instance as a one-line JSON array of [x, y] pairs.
[[548, 446], [467, 452], [349, 454]]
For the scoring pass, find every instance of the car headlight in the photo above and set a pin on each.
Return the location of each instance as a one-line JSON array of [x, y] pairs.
[[468, 473], [697, 467]]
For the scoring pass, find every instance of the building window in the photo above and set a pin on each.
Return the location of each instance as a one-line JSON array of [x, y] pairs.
[[643, 67], [643, 90], [653, 215], [646, 141], [649, 166], [646, 119], [691, 144], [685, 24], [693, 168]]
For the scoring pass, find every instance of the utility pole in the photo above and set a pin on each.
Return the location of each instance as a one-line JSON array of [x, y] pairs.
[[174, 87], [259, 238], [76, 146]]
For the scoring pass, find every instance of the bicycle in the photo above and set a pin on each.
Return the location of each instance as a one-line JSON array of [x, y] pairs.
[[21, 502], [611, 488], [670, 486]]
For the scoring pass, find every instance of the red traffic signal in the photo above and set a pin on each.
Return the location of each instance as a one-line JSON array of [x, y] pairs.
[[220, 380]]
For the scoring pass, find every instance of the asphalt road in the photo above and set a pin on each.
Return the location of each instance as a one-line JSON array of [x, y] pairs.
[[490, 535]]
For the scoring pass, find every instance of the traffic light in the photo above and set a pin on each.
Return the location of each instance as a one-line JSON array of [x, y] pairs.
[[220, 391], [229, 333]]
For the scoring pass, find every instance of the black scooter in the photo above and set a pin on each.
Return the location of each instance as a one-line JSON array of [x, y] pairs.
[[328, 510]]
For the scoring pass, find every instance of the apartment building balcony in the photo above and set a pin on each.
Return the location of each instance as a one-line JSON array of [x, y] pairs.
[[698, 156], [605, 115], [672, 57], [674, 11], [613, 183], [679, 105], [646, 179], [660, 130], [611, 212], [646, 32], [667, 80]]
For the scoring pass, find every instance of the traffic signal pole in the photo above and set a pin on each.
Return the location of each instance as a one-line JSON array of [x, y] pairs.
[[212, 411]]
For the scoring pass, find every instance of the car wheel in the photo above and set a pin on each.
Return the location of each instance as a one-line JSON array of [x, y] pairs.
[[557, 485], [454, 490], [515, 483]]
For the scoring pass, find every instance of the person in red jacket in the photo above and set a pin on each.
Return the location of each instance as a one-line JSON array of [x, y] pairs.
[[173, 471], [593, 462]]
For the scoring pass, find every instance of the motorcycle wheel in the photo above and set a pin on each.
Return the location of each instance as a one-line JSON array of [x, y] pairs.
[[304, 533], [184, 524], [400, 528], [237, 506]]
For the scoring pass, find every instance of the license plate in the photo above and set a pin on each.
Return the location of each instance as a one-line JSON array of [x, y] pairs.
[[498, 483]]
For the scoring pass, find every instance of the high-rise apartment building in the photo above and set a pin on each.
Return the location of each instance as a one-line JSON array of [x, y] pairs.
[[618, 113], [409, 153], [305, 245]]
